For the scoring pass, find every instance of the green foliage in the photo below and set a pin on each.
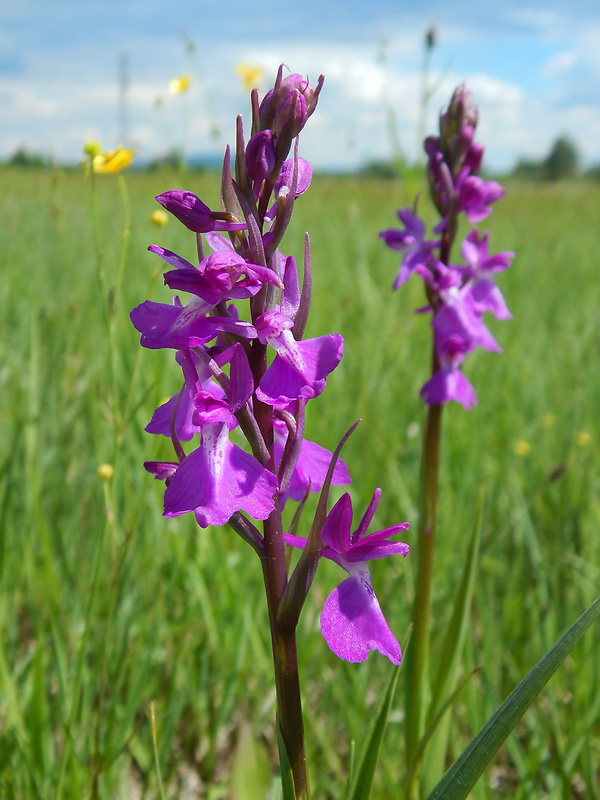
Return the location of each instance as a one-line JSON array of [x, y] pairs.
[[178, 614], [466, 771], [361, 779], [561, 163], [24, 158]]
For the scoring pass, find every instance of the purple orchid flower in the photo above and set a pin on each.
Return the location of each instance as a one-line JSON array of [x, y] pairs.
[[481, 267], [459, 315], [352, 621], [475, 195], [300, 368], [223, 275], [410, 241], [449, 383], [218, 479]]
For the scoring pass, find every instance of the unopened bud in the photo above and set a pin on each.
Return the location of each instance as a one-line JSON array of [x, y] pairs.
[[260, 156], [105, 471], [291, 115]]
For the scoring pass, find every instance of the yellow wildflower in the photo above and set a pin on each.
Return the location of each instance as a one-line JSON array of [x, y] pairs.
[[159, 218], [105, 471], [180, 84], [549, 420], [582, 438], [251, 76], [113, 161], [522, 448]]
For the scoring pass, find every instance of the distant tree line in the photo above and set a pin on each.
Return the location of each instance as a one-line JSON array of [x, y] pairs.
[[24, 158], [561, 163]]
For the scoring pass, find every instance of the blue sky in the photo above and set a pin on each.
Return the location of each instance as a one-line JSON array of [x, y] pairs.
[[533, 67]]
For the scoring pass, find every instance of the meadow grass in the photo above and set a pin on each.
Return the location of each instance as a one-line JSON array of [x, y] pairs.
[[106, 607]]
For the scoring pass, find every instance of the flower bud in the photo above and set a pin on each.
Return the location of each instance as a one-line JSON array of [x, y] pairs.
[[194, 214], [457, 128], [291, 115], [260, 156], [105, 471], [289, 104], [92, 148]]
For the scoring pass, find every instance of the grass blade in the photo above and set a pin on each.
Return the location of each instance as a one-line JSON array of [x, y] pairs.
[[364, 772], [468, 768]]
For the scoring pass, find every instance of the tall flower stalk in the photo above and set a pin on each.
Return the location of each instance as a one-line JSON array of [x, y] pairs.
[[250, 370], [457, 297]]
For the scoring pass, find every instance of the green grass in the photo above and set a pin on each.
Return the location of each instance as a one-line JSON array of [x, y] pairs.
[[105, 606]]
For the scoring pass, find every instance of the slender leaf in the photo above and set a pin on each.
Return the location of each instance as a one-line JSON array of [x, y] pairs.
[[287, 779], [468, 768], [364, 771], [250, 771], [457, 629]]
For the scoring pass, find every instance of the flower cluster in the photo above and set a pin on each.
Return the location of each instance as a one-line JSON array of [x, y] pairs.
[[458, 295], [247, 371]]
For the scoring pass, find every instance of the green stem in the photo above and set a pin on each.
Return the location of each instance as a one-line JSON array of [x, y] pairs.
[[285, 657], [417, 661]]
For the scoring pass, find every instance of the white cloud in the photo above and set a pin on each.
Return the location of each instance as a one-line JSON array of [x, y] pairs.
[[559, 64], [68, 90]]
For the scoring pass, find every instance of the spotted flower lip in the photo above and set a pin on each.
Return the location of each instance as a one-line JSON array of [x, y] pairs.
[[218, 479], [352, 622]]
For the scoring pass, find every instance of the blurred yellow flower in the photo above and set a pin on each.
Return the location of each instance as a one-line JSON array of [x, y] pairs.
[[522, 448], [105, 471], [251, 76], [549, 420], [582, 438], [180, 84], [159, 218], [113, 161]]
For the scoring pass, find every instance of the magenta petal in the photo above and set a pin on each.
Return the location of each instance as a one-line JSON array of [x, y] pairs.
[[352, 622], [190, 280], [170, 257], [178, 327], [300, 371], [488, 297], [449, 384], [336, 529], [311, 470], [242, 384], [162, 470], [287, 173], [161, 419], [218, 479], [376, 546]]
